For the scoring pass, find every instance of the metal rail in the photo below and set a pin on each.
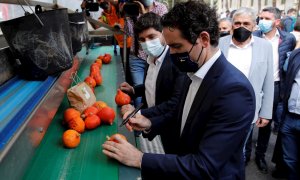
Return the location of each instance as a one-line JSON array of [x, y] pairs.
[[33, 3]]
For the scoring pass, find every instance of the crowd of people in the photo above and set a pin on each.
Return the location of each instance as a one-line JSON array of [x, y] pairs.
[[282, 34], [205, 83]]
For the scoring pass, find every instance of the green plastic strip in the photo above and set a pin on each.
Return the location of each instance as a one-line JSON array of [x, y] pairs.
[[53, 161]]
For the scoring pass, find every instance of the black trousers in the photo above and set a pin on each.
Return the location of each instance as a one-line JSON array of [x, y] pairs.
[[264, 133]]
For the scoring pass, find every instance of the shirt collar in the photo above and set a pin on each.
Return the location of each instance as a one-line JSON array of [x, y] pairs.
[[206, 66], [246, 46], [276, 35]]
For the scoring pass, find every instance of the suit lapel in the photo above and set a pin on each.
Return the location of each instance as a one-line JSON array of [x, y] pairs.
[[185, 87], [163, 66], [255, 54], [146, 71], [201, 94]]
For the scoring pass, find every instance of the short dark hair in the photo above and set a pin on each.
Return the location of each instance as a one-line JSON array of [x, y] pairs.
[[291, 10], [146, 21], [273, 10], [192, 18], [232, 13]]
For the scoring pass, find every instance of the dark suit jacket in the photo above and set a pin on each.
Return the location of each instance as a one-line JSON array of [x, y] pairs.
[[293, 68], [167, 94], [211, 143]]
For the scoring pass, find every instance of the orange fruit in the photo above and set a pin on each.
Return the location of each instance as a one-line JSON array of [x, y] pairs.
[[77, 124], [122, 98], [113, 137], [92, 121], [94, 69], [98, 78], [106, 59], [99, 105], [70, 113], [99, 62], [89, 111], [100, 57], [90, 81], [71, 138], [107, 115]]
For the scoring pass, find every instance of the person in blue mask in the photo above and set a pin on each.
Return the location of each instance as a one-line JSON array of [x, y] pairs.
[[253, 56], [137, 57], [160, 93], [213, 115], [282, 43], [290, 20]]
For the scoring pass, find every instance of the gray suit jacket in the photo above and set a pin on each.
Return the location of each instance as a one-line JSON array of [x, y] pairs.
[[260, 75]]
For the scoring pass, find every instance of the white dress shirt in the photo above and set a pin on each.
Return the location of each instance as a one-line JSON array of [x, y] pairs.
[[196, 78], [241, 57], [150, 81], [275, 43]]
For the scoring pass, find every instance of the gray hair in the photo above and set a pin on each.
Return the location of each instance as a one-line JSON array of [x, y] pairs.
[[245, 11], [225, 19]]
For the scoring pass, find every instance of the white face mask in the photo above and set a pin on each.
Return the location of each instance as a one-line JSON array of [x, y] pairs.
[[153, 47]]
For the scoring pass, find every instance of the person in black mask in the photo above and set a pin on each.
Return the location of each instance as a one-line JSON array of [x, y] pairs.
[[225, 27], [253, 56], [214, 114]]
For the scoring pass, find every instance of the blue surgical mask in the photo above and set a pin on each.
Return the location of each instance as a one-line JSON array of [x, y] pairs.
[[265, 25], [147, 3], [183, 62], [153, 47]]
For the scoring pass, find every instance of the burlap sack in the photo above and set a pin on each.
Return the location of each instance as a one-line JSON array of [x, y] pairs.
[[81, 96]]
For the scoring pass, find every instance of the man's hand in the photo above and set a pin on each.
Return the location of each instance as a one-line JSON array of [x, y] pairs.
[[126, 108], [124, 152], [125, 87], [261, 122], [138, 123]]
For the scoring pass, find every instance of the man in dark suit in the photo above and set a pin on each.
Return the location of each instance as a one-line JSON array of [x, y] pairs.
[[160, 93], [290, 129], [213, 115]]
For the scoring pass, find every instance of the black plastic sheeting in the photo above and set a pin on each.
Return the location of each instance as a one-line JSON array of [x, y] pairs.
[[40, 50]]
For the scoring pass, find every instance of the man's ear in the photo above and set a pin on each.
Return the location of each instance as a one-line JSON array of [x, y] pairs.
[[204, 37], [277, 22]]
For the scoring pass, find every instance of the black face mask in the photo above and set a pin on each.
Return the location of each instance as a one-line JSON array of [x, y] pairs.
[[241, 34], [183, 62], [224, 33], [104, 5]]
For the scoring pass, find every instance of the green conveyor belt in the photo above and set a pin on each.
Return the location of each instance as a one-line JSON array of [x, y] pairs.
[[53, 161]]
